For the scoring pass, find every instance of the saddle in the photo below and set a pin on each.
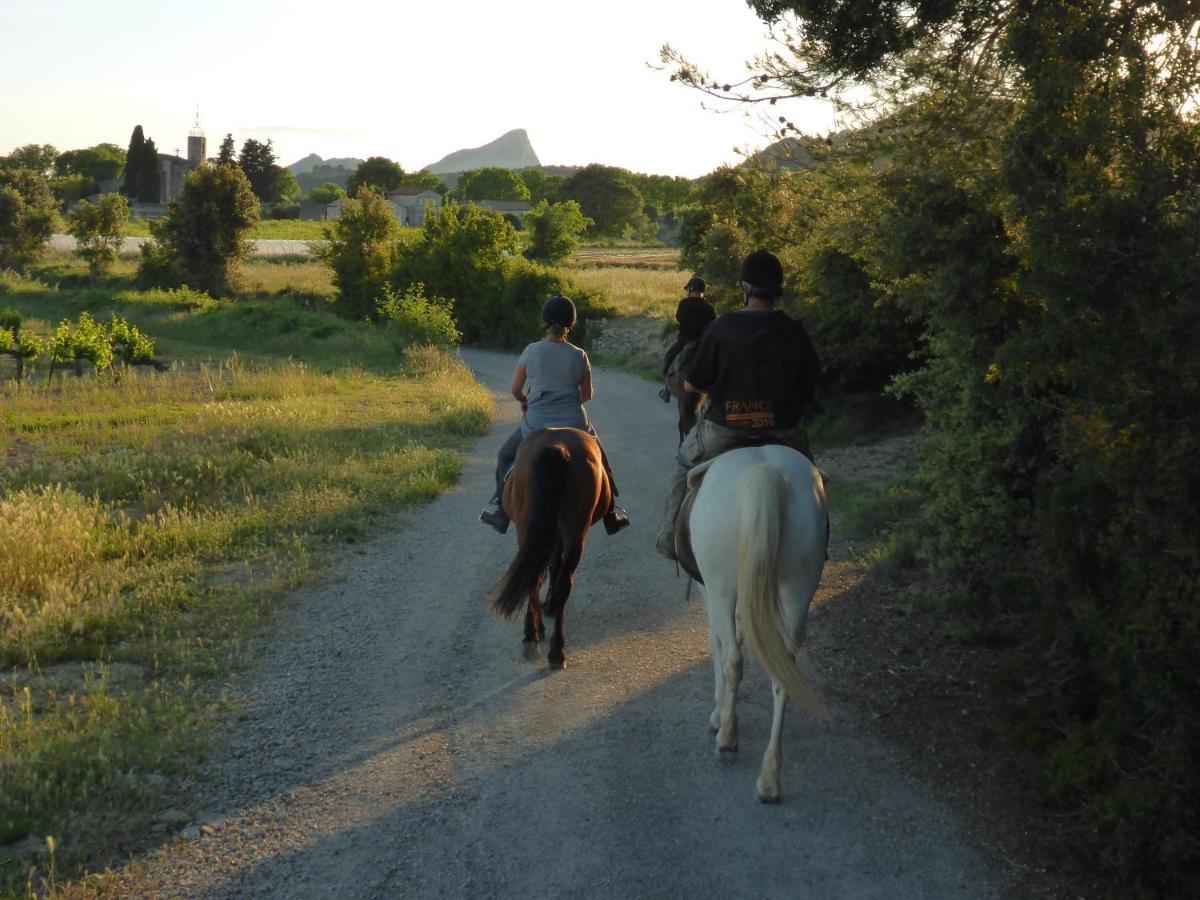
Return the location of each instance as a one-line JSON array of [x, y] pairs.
[[683, 528]]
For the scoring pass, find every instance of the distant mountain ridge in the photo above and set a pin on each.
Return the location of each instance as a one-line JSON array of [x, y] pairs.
[[313, 161], [511, 150]]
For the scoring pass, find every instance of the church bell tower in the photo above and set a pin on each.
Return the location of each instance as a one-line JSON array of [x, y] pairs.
[[197, 144]]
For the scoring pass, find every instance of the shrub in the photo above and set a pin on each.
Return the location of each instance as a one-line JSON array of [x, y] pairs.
[[28, 217], [20, 345], [554, 230], [360, 250], [99, 230], [417, 318], [202, 241]]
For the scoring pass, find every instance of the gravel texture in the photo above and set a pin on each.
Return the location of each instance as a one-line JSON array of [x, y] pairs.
[[392, 741]]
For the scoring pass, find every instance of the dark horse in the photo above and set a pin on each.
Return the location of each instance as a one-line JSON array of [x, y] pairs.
[[687, 401], [557, 490]]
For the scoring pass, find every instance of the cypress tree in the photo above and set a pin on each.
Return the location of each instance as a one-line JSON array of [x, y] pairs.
[[133, 162], [147, 178], [226, 155]]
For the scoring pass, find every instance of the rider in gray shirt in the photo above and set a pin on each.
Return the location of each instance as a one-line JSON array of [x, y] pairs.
[[552, 381]]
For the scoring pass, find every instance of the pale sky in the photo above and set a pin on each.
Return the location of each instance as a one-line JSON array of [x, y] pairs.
[[410, 81]]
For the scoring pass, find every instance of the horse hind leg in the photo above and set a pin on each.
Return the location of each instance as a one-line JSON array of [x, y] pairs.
[[535, 628], [767, 787], [561, 581], [728, 666]]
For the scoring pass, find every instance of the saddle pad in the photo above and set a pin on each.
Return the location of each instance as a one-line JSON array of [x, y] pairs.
[[683, 528]]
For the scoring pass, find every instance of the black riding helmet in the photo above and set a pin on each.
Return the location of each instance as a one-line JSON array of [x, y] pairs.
[[763, 272], [695, 285], [560, 311]]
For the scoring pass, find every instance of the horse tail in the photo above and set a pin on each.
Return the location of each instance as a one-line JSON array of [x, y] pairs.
[[762, 491], [549, 474]]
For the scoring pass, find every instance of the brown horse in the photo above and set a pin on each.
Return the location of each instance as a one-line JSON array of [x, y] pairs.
[[557, 491], [687, 401]]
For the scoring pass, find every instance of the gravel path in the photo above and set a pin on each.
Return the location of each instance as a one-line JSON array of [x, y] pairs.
[[393, 742]]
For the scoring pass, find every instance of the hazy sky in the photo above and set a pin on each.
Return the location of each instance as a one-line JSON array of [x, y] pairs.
[[410, 81]]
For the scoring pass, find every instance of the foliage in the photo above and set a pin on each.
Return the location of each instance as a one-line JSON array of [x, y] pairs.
[[98, 163], [554, 230], [491, 183], [542, 186], [325, 194], [20, 345], [417, 318], [359, 250], [1037, 218], [79, 341], [607, 197], [286, 189], [37, 158], [257, 161], [99, 230], [28, 216], [470, 254], [70, 189], [423, 179], [377, 173], [227, 154], [202, 239], [134, 157]]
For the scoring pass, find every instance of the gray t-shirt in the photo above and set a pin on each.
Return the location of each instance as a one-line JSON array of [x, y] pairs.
[[553, 373]]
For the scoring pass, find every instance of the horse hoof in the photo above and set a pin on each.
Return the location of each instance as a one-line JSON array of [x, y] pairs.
[[531, 650], [558, 663], [767, 794], [726, 750], [714, 722]]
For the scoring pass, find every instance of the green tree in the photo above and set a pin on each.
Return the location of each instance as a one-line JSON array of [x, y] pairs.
[[1039, 216], [377, 173], [359, 249], [28, 215], [203, 238], [491, 183], [423, 179], [37, 158], [542, 186], [70, 189], [257, 161], [554, 230], [99, 230], [607, 198], [227, 154], [134, 158], [325, 194], [287, 189], [149, 181], [98, 163]]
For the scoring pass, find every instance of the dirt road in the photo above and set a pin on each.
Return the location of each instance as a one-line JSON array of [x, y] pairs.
[[131, 246], [394, 742]]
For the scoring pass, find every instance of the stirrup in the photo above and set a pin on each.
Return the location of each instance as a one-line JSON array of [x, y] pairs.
[[616, 519], [496, 518]]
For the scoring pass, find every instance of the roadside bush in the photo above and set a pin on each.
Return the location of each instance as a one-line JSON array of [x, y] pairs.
[[99, 230], [202, 241], [360, 249], [28, 216], [416, 318], [554, 230], [470, 254]]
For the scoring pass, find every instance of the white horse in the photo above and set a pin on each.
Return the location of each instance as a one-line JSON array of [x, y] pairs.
[[759, 531]]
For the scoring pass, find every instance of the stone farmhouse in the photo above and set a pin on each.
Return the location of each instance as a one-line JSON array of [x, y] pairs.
[[411, 204]]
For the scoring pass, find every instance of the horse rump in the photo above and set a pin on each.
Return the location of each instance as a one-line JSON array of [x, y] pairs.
[[547, 478]]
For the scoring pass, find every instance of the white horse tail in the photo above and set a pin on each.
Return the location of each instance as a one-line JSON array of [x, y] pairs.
[[763, 491]]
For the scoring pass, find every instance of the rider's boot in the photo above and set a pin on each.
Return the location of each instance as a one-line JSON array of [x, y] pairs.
[[665, 395], [495, 516], [615, 519]]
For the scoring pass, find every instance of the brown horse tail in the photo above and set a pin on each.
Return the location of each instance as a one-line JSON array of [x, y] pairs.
[[533, 556]]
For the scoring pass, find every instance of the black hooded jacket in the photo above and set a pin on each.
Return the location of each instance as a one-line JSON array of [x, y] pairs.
[[759, 368]]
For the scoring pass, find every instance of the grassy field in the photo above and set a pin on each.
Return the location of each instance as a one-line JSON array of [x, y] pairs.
[[266, 230], [151, 523], [634, 292]]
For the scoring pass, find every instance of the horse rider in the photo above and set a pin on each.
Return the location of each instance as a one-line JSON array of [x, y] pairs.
[[760, 370], [552, 382], [694, 314]]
